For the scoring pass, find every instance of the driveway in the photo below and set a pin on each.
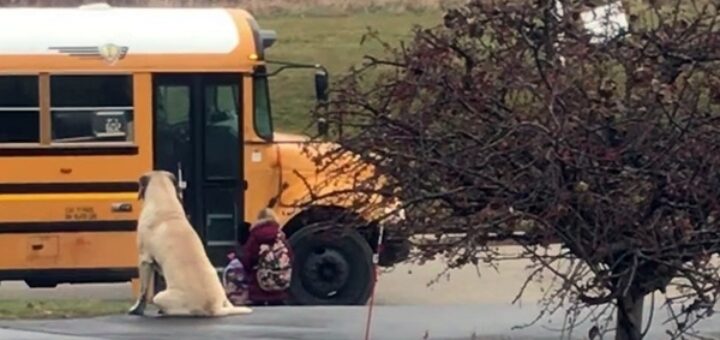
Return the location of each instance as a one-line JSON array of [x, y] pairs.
[[311, 323], [450, 322], [455, 307], [404, 285]]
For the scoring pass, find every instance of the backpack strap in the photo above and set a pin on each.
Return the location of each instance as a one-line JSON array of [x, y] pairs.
[[224, 275]]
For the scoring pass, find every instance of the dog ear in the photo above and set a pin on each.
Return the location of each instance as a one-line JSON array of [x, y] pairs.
[[143, 183]]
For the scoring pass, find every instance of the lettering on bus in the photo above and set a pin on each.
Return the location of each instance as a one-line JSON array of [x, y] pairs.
[[80, 213]]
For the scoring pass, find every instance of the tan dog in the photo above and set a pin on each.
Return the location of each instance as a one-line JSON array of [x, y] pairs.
[[167, 240]]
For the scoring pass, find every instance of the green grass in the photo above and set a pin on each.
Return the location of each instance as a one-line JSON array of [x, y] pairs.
[[333, 42], [52, 309]]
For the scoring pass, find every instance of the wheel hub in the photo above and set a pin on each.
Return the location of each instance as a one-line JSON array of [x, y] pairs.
[[325, 272]]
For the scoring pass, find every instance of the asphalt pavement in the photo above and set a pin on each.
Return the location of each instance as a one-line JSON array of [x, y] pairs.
[[448, 322], [403, 285], [464, 304], [296, 323]]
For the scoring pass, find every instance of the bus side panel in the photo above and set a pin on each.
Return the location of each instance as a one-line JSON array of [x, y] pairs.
[[76, 169], [69, 212], [20, 209], [68, 250]]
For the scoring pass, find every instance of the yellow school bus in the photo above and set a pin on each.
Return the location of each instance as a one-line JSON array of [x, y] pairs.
[[92, 97]]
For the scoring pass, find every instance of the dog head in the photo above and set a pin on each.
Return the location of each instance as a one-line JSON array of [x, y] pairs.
[[149, 176]]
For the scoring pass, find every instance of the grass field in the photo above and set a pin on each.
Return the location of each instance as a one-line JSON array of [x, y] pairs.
[[261, 7], [333, 41], [71, 308]]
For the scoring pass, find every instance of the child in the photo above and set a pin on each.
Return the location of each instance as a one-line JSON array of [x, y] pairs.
[[267, 260], [234, 281]]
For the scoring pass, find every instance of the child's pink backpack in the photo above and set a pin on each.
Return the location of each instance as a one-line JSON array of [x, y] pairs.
[[233, 279]]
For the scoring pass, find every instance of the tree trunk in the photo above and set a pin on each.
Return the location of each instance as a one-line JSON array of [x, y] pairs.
[[547, 7], [629, 318]]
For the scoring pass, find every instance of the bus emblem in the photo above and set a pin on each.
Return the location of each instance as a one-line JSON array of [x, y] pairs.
[[110, 53]]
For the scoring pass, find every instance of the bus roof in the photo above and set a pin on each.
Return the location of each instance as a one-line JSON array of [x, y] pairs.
[[113, 39]]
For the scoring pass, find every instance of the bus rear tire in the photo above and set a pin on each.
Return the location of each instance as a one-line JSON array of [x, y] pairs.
[[330, 268]]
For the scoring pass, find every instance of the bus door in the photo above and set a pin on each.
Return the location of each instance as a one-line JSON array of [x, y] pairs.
[[197, 136]]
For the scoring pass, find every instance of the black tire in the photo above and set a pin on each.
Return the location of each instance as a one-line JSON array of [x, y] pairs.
[[330, 268]]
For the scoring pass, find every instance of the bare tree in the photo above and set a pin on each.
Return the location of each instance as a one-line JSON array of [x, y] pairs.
[[492, 127]]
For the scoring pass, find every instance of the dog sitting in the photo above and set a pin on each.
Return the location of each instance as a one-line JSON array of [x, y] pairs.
[[168, 243]]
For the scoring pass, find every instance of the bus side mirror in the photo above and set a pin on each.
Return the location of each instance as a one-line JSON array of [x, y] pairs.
[[321, 85]]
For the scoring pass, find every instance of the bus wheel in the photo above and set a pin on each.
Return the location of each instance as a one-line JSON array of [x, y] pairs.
[[330, 268]]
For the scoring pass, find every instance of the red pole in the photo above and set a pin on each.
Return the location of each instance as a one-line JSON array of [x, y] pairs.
[[376, 260]]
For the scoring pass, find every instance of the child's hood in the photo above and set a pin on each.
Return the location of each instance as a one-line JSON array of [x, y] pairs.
[[265, 230]]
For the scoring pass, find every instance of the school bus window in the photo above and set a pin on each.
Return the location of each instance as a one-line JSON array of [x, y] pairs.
[[91, 108], [173, 104], [172, 121], [222, 126], [222, 98], [19, 109], [263, 117]]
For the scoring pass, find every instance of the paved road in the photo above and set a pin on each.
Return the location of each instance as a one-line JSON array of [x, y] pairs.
[[453, 308], [297, 323], [448, 322], [405, 285]]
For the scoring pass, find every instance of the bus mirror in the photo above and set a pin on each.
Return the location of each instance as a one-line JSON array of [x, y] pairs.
[[321, 85]]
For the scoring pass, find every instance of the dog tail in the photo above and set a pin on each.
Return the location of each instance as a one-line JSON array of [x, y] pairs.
[[234, 310], [229, 309]]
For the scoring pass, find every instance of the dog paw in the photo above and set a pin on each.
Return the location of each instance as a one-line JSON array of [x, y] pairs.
[[136, 310]]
